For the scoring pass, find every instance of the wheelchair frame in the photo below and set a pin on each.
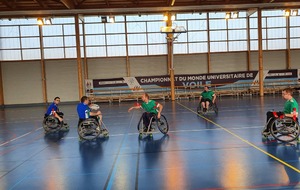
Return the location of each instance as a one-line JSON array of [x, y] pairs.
[[284, 129], [212, 107], [90, 129], [153, 124], [52, 124]]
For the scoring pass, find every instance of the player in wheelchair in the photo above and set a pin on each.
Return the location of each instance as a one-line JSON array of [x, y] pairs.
[[151, 118], [283, 126], [53, 119], [90, 124], [207, 101]]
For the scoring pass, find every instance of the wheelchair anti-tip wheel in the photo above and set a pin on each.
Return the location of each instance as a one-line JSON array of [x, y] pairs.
[[51, 124], [285, 130], [89, 129]]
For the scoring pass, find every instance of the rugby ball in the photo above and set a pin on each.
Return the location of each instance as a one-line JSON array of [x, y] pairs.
[[94, 107]]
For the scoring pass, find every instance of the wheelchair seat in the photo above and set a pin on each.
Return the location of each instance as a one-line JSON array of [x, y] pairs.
[[212, 108]]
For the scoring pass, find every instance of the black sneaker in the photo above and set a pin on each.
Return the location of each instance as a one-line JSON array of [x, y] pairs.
[[204, 109]]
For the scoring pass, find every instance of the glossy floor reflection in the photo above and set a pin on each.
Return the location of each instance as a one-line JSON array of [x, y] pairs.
[[223, 151]]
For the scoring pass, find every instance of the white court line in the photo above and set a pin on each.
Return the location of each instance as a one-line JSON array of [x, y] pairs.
[[11, 140]]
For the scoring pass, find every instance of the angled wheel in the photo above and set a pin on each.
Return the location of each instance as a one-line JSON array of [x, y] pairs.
[[51, 124], [162, 125], [88, 129], [285, 130]]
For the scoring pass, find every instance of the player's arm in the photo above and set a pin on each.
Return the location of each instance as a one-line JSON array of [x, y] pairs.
[[160, 108], [214, 98], [291, 114], [138, 106]]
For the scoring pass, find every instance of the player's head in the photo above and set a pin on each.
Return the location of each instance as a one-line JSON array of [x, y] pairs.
[[206, 88], [57, 100], [84, 100], [287, 93], [145, 97]]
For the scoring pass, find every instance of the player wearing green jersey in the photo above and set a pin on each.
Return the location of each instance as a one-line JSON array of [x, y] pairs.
[[207, 97], [151, 108], [290, 109]]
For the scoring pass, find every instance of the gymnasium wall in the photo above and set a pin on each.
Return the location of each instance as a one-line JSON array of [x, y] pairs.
[[22, 81]]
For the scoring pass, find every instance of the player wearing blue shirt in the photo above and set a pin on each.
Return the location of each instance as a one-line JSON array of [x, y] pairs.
[[84, 112], [53, 109]]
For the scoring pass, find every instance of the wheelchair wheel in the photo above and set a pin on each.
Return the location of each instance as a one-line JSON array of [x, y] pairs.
[[162, 125], [199, 109], [215, 108], [51, 124], [285, 130], [89, 129]]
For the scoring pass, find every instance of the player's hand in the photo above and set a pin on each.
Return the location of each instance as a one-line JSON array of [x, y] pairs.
[[130, 109], [158, 115]]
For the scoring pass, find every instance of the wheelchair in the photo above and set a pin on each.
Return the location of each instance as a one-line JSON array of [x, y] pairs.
[[89, 129], [51, 124], [284, 129], [212, 108], [155, 123]]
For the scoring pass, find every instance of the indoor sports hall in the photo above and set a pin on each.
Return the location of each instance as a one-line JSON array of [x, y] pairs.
[[55, 52]]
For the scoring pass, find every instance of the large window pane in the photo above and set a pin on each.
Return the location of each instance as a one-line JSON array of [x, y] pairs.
[[92, 40], [69, 29], [197, 47], [115, 28], [30, 42], [197, 36], [238, 46], [254, 45], [237, 34], [53, 41], [253, 34], [137, 50], [156, 38], [137, 39], [11, 31], [6, 55], [70, 53], [276, 21], [155, 26], [70, 41], [30, 31], [181, 37], [95, 51], [197, 25], [54, 53], [116, 39], [277, 33], [295, 20], [217, 24], [52, 30], [237, 23], [96, 28], [295, 32], [157, 49], [218, 35], [218, 46], [116, 51], [29, 54], [9, 43], [180, 48], [134, 27], [295, 43], [253, 22], [276, 44]]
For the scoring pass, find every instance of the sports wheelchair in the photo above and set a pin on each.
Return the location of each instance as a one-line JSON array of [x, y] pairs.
[[284, 129], [91, 128], [212, 108], [161, 124], [52, 124]]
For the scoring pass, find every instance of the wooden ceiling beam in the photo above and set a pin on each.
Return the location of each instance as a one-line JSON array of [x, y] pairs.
[[42, 4], [68, 3], [107, 2], [6, 3]]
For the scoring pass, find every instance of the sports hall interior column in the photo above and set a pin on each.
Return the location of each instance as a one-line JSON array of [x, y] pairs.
[[170, 57], [248, 43], [1, 88], [208, 44], [85, 65], [126, 41], [288, 44], [79, 67], [260, 54], [43, 72]]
